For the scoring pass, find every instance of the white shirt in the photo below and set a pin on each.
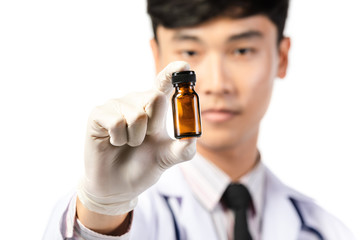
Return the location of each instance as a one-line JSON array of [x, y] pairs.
[[208, 183]]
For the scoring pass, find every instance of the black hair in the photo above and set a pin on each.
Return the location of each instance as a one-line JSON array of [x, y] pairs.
[[188, 13]]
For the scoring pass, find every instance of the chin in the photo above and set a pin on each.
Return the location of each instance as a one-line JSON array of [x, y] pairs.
[[218, 141], [227, 137]]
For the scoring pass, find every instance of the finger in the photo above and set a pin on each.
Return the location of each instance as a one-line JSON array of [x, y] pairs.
[[107, 121], [177, 151], [163, 79], [153, 103], [136, 119], [155, 109]]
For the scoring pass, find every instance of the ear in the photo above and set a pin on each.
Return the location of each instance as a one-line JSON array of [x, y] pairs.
[[284, 48], [156, 53]]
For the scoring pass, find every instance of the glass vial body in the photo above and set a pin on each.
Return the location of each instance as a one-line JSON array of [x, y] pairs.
[[185, 106]]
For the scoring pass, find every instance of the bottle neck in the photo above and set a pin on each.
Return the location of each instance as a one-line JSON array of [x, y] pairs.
[[184, 86]]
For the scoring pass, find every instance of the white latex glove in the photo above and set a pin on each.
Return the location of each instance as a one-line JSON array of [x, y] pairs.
[[127, 147]]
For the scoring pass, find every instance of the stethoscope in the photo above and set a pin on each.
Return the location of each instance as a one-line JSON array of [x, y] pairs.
[[304, 226]]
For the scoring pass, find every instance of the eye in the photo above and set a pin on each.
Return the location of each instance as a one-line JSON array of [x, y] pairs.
[[243, 51], [189, 53]]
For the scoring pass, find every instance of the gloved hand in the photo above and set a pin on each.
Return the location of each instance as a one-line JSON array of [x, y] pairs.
[[127, 147]]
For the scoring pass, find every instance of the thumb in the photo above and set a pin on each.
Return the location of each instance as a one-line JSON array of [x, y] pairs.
[[177, 151], [163, 79]]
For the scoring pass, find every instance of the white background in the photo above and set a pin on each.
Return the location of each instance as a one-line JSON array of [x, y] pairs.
[[59, 59]]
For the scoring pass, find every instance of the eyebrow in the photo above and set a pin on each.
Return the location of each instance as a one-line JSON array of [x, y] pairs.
[[245, 36], [181, 36]]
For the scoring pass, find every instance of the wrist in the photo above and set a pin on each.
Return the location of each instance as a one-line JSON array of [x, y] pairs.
[[113, 225], [113, 205]]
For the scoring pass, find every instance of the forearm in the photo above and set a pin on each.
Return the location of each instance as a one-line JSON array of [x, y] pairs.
[[104, 224]]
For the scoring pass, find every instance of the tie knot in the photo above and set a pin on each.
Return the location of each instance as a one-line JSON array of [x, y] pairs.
[[236, 197]]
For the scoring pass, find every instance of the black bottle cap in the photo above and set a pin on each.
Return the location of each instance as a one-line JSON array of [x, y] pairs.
[[183, 77]]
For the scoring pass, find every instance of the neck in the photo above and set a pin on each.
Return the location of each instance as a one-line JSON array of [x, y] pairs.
[[235, 161]]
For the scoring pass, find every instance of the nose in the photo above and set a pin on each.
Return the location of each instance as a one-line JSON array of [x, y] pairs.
[[214, 77]]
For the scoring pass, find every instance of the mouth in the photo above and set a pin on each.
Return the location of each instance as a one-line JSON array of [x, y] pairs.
[[218, 115]]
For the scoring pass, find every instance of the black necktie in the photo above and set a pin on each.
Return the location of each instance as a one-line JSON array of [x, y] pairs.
[[237, 198]]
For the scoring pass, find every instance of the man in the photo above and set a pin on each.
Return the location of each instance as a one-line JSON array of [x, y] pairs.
[[237, 49]]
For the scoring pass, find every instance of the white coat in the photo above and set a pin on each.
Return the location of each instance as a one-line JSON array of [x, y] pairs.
[[169, 211], [288, 215]]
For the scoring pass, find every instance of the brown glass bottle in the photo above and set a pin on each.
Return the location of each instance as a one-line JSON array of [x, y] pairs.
[[185, 105]]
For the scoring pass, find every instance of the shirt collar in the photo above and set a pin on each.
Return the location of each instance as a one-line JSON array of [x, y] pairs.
[[208, 182]]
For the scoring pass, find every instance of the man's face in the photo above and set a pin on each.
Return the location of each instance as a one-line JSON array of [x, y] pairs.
[[236, 62]]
